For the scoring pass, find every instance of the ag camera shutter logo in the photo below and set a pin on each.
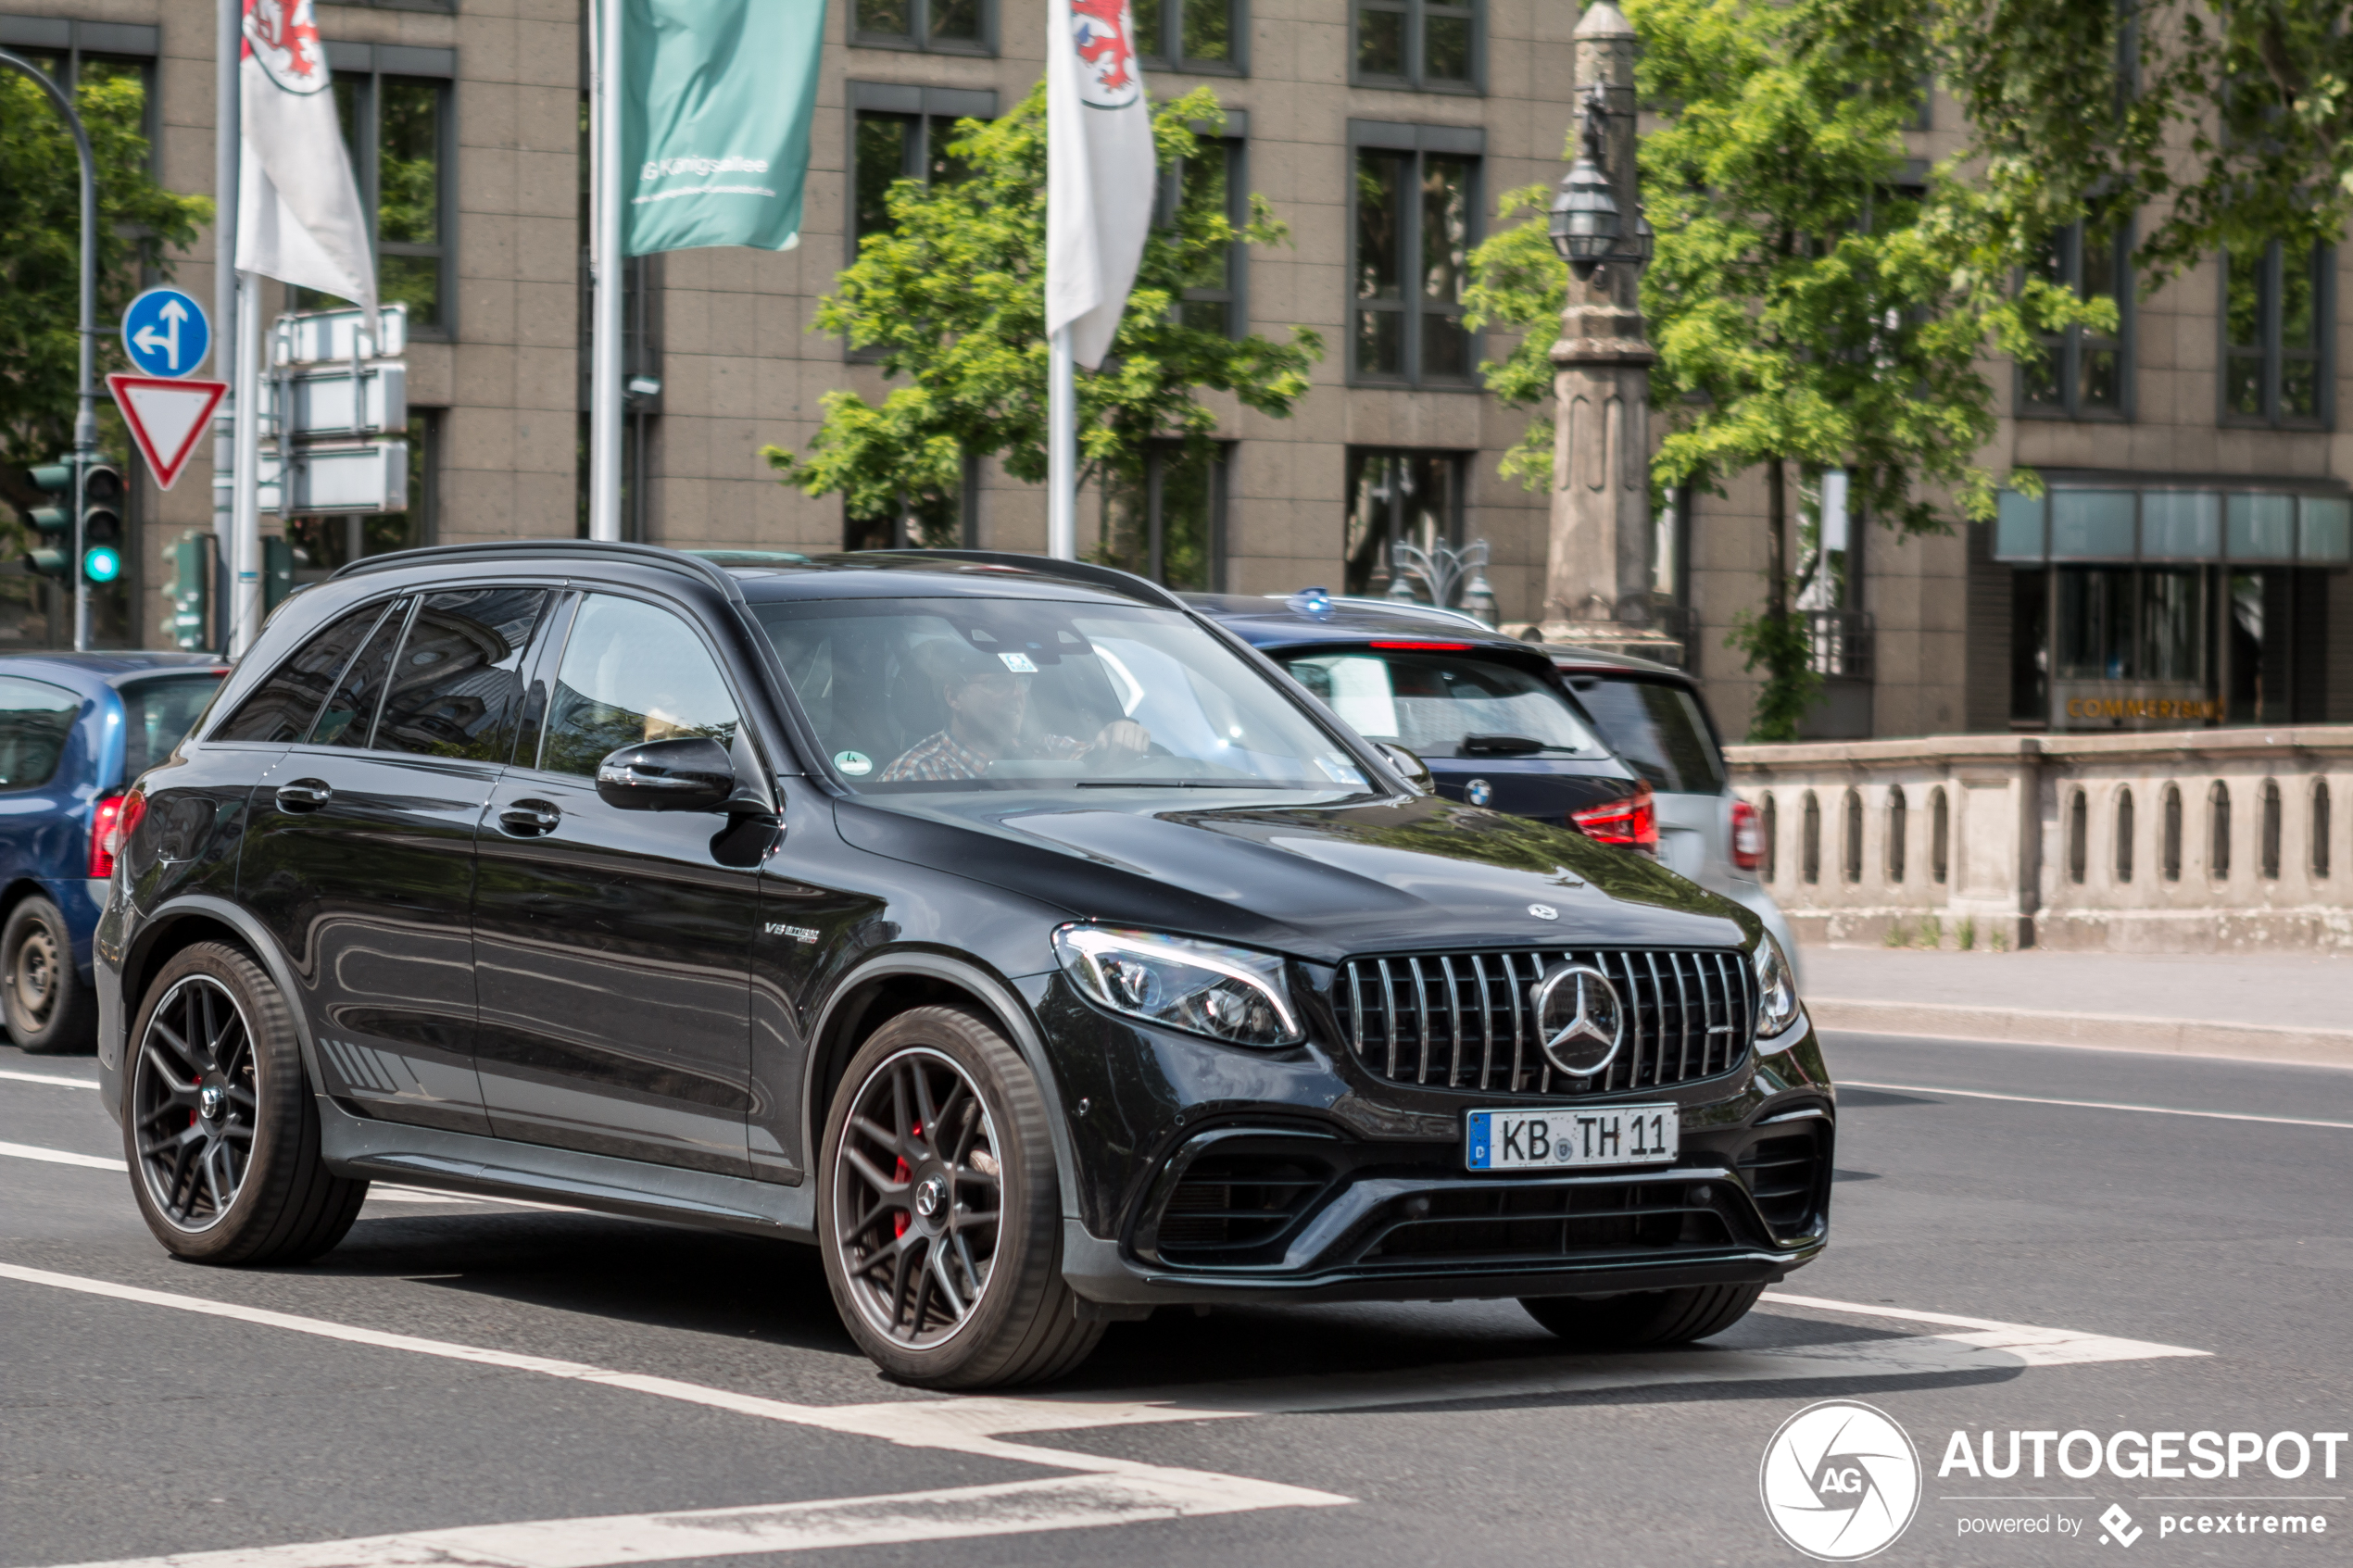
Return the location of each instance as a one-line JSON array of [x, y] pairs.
[[1840, 1481]]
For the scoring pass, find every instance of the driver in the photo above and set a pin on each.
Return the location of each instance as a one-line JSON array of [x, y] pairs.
[[987, 704]]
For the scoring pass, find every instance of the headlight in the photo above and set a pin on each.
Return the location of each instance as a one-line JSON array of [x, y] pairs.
[[1229, 994], [1776, 992]]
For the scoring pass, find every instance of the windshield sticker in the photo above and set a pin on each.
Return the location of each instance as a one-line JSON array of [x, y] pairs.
[[857, 764], [1018, 663]]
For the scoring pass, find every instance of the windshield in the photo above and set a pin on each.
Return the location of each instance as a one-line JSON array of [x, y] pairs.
[[961, 694], [1443, 704], [1658, 728], [158, 712]]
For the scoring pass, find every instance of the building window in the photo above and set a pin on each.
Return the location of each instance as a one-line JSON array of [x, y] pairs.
[[1416, 223], [901, 133], [394, 102], [2276, 310], [1426, 45], [955, 27], [1214, 177], [2084, 375], [1173, 528], [1201, 37], [1398, 497], [325, 545]]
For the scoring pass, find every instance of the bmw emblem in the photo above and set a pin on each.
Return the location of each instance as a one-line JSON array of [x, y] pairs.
[[1543, 912], [1579, 1020], [1478, 792]]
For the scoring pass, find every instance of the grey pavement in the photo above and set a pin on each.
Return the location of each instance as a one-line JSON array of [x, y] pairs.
[[1458, 1431], [2263, 1006]]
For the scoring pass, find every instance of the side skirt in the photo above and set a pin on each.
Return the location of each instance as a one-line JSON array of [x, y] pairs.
[[428, 1157]]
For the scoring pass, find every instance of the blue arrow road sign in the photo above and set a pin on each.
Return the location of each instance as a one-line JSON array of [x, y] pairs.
[[165, 333]]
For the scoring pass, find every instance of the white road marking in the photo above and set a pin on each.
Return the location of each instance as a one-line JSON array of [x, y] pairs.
[[61, 1157], [51, 1079], [1069, 1502], [2034, 1346], [2097, 1105]]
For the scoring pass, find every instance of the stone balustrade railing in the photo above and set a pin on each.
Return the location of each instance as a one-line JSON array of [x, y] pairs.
[[2179, 841]]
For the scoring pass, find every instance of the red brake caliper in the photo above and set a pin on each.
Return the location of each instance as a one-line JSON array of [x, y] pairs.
[[899, 1221]]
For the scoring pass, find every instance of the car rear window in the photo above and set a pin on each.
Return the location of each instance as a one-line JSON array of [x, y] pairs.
[[1445, 704], [159, 713], [36, 719], [1658, 728]]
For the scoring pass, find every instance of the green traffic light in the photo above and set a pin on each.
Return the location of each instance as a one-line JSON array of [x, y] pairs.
[[102, 563]]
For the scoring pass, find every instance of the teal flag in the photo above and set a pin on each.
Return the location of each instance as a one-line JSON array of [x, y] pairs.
[[715, 129]]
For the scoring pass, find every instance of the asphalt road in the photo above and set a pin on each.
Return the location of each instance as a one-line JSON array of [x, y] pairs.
[[2070, 1256]]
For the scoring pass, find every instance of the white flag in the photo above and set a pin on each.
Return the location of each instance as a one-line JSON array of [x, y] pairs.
[[298, 213], [1100, 170]]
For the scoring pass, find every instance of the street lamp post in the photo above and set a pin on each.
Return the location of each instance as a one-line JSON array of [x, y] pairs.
[[1597, 570]]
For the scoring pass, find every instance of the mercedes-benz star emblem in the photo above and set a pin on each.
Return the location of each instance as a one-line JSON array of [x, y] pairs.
[[1543, 912], [1578, 1019]]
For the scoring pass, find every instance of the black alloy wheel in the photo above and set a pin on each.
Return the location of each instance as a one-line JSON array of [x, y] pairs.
[[48, 1007], [218, 1129], [938, 1213]]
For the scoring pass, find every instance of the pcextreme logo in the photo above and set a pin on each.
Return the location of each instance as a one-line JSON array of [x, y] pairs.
[[1840, 1481]]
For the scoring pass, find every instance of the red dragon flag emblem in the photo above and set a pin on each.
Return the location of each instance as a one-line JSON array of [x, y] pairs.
[[299, 217], [1104, 33], [1100, 173], [283, 36]]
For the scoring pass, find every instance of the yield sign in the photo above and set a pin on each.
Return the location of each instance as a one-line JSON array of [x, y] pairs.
[[167, 417]]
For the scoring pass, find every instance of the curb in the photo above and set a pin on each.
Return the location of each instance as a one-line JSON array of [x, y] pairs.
[[2171, 1036]]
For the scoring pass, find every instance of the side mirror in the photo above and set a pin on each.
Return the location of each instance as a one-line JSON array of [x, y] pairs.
[[694, 774], [1416, 770]]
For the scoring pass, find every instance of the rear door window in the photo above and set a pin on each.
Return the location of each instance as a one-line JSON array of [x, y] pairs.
[[457, 685], [159, 713], [35, 720], [1658, 726], [283, 706], [350, 711]]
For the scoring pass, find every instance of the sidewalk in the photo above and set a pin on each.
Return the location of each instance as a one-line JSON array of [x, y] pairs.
[[2283, 1007]]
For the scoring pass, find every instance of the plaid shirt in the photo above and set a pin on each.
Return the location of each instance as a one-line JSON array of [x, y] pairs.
[[942, 756]]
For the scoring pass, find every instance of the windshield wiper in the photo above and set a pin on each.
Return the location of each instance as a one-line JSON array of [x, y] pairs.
[[1501, 745], [1191, 783]]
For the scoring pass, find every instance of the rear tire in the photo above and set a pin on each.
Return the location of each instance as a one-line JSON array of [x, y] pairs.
[[1644, 1318], [219, 1125], [48, 1007], [940, 1211]]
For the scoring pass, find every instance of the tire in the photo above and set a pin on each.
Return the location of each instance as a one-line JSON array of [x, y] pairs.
[[48, 1007], [219, 1126], [937, 1294], [1644, 1318]]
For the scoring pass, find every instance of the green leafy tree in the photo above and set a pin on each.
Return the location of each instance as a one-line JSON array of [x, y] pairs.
[[2223, 121], [952, 297], [41, 253], [1810, 311]]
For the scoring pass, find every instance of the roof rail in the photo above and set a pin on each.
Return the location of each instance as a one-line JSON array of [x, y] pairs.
[[1109, 577], [655, 556]]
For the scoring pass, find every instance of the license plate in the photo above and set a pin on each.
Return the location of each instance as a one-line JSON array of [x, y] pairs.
[[1565, 1138]]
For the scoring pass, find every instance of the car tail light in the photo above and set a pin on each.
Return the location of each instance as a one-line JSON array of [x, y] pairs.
[[1631, 822], [1748, 836], [111, 827]]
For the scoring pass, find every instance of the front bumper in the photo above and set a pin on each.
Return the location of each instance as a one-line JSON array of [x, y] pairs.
[[1210, 1175]]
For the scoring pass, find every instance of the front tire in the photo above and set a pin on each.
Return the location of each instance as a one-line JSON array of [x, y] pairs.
[[1644, 1318], [48, 1007], [939, 1213], [219, 1126]]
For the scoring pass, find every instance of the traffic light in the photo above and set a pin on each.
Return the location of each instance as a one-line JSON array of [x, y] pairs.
[[191, 592], [102, 523], [277, 571], [52, 553]]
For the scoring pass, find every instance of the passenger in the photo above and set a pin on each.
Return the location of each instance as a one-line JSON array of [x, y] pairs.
[[986, 705]]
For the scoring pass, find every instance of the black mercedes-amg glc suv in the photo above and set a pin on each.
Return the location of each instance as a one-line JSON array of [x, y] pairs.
[[1029, 943]]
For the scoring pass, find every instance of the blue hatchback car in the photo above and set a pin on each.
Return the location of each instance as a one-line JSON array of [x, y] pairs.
[[75, 731]]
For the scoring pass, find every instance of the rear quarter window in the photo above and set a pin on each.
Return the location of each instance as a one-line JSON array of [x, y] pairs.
[[1658, 728], [35, 720]]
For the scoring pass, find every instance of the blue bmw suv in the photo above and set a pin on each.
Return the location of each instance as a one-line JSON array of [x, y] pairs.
[[75, 731]]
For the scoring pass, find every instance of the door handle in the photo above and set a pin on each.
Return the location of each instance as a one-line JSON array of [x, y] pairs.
[[304, 794], [529, 818]]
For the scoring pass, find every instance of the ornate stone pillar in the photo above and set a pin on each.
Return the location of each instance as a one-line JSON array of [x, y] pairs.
[[1597, 577]]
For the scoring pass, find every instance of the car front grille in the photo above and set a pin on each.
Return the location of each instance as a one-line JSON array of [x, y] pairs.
[[1525, 1224], [1466, 1020]]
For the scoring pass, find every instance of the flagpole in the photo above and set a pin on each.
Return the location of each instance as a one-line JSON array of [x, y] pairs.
[[604, 185], [244, 607], [1062, 451]]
